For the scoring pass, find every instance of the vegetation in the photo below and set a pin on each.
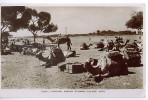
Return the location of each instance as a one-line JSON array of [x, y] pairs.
[[11, 18], [14, 18], [39, 22], [20, 17], [136, 21]]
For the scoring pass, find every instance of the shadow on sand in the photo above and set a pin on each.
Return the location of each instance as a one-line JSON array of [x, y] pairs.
[[140, 65], [100, 78]]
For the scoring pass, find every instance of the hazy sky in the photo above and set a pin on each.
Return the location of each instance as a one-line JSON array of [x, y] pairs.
[[87, 19]]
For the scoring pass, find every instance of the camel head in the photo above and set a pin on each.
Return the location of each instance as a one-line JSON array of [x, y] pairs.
[[127, 41], [90, 45]]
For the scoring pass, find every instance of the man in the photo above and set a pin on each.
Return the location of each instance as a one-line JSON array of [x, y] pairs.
[[68, 43]]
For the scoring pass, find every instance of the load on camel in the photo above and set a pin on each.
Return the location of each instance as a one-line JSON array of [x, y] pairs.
[[71, 53], [132, 51], [100, 45], [134, 57], [137, 46], [29, 51], [56, 56], [32, 49], [111, 64], [84, 46], [134, 54]]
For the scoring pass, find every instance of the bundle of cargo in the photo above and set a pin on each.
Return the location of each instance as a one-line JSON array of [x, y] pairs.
[[56, 56], [69, 53], [29, 51], [134, 58], [72, 68], [131, 47], [75, 68], [114, 55], [118, 64]]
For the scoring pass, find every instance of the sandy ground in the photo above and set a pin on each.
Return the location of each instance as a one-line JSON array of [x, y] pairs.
[[22, 71]]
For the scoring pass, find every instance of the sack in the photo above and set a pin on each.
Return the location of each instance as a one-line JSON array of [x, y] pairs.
[[115, 56], [57, 56], [134, 59], [69, 53]]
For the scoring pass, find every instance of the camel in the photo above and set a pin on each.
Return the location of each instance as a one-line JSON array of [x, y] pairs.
[[100, 45], [59, 40], [29, 51], [134, 55], [137, 46], [119, 45], [111, 64], [56, 56], [84, 46], [110, 45]]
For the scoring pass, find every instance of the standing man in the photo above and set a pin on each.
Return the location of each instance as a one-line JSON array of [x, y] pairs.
[[68, 43]]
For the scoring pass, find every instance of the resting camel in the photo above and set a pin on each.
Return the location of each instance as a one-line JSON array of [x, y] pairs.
[[29, 51], [100, 45], [112, 64], [84, 46], [119, 45], [59, 40], [56, 56], [137, 46], [110, 45]]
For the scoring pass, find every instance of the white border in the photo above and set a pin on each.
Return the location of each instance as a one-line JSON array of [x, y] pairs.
[[27, 93]]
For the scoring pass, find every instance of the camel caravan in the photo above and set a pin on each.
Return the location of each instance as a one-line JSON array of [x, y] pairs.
[[118, 56]]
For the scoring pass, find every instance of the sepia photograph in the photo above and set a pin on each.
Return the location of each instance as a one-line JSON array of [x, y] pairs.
[[72, 47]]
